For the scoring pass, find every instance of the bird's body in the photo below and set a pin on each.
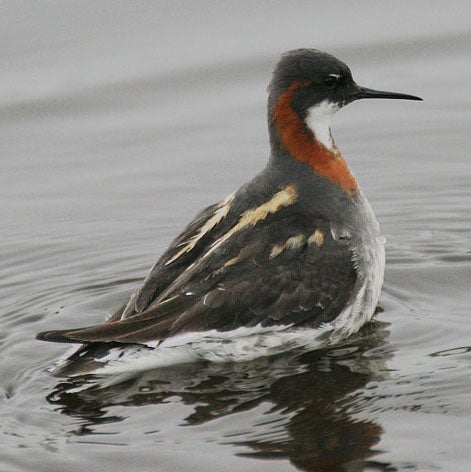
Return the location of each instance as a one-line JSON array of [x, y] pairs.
[[293, 257]]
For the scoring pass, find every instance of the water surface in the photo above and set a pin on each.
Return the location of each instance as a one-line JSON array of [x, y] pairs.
[[118, 123]]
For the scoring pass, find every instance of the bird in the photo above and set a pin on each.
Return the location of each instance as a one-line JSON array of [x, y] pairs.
[[293, 257]]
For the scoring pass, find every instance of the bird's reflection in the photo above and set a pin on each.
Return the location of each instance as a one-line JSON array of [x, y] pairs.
[[311, 418]]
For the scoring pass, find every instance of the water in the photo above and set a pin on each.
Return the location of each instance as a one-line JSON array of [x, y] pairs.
[[119, 122]]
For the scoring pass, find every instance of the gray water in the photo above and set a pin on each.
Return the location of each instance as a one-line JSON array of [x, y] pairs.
[[119, 121]]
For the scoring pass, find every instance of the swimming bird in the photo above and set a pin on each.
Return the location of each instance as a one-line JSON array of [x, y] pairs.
[[293, 257]]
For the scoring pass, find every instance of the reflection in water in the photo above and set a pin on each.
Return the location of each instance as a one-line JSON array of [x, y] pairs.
[[311, 396]]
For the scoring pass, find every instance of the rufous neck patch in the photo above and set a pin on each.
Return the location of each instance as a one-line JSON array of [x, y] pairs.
[[300, 142]]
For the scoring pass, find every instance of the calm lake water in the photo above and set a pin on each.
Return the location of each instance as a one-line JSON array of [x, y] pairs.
[[119, 121]]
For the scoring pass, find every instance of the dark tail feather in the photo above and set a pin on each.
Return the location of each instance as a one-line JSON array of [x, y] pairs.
[[89, 358], [58, 336], [120, 331], [147, 326], [83, 361]]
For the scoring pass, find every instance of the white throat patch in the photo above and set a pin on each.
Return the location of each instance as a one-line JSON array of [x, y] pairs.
[[318, 120]]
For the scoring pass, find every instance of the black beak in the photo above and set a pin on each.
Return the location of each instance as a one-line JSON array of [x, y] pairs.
[[363, 92]]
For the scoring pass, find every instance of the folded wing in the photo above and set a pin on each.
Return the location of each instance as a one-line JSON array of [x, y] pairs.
[[282, 270]]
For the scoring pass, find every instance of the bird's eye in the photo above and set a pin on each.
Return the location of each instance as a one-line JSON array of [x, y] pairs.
[[331, 80]]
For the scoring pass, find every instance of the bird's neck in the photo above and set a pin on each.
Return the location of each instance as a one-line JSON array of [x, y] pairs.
[[309, 139]]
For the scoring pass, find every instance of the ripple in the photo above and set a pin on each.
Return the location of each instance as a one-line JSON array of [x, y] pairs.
[[111, 142]]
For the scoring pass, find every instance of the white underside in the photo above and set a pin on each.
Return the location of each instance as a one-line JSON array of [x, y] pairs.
[[242, 344]]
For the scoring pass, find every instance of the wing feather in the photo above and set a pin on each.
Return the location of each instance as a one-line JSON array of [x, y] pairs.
[[241, 281], [178, 256]]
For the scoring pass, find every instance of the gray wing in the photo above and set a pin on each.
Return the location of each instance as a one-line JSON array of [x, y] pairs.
[[177, 257], [283, 271]]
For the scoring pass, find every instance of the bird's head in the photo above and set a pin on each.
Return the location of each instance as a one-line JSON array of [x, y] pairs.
[[317, 80]]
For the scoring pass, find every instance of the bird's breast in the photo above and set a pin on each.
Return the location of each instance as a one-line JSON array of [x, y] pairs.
[[362, 233]]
